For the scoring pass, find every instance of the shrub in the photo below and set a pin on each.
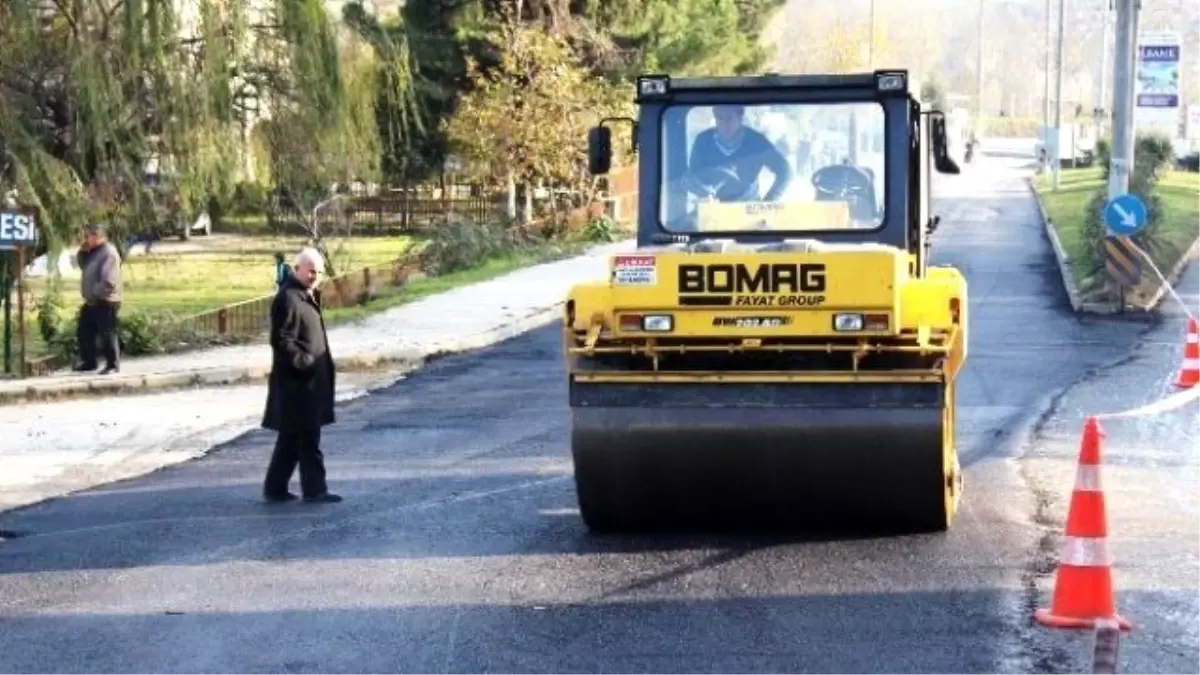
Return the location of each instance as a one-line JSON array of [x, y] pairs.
[[1143, 184], [1152, 152], [1094, 232], [139, 333], [600, 229], [1103, 155], [50, 315], [459, 245], [933, 94]]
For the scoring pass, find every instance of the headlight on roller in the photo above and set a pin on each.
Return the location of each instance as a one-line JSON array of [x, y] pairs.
[[657, 323], [847, 322]]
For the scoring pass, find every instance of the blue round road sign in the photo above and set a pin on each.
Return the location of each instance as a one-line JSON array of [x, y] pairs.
[[1125, 215]]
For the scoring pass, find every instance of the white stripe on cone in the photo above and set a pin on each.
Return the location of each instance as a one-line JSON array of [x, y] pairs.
[[1087, 478], [1086, 552]]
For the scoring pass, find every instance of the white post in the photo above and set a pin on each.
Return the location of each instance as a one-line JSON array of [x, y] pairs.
[[871, 37], [979, 78], [1062, 8], [1102, 81], [1046, 79]]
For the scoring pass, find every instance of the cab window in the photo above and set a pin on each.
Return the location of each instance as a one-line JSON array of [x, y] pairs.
[[785, 167]]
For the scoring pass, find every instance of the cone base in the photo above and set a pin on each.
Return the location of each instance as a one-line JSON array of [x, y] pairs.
[[1047, 618], [1187, 383]]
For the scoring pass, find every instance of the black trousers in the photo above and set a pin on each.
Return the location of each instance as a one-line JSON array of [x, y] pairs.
[[98, 322], [292, 449]]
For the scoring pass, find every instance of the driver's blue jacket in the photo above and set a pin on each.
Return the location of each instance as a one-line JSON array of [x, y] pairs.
[[747, 161]]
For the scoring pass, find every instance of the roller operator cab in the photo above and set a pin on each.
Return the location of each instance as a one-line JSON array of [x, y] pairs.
[[778, 351]]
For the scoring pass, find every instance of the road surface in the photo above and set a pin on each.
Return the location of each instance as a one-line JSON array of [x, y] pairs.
[[459, 549]]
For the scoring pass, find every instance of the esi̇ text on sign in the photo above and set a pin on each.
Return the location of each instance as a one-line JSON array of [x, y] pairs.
[[17, 230]]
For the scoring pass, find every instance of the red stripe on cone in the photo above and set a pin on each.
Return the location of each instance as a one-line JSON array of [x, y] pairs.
[[1189, 372]]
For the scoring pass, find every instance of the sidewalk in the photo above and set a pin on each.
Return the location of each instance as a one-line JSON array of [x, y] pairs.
[[465, 318]]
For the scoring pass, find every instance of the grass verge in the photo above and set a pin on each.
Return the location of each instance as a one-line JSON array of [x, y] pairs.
[[1067, 209], [209, 272]]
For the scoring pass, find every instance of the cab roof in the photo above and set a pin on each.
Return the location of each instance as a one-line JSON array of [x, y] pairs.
[[770, 81], [657, 86]]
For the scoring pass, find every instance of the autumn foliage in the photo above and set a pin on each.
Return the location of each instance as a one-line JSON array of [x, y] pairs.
[[527, 117]]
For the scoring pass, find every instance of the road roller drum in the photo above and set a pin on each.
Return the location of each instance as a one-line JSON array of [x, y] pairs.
[[753, 456]]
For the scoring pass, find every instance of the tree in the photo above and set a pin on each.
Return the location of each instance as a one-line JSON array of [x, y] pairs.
[[684, 37], [93, 91], [820, 38], [323, 129], [527, 118], [933, 95], [94, 94], [421, 59]]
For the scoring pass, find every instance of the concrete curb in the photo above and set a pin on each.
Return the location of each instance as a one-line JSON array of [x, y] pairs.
[[408, 358], [1060, 254]]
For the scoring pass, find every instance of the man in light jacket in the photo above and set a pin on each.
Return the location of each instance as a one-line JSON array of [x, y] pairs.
[[101, 287]]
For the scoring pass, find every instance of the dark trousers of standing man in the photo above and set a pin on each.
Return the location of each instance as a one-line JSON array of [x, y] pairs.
[[301, 448], [98, 321]]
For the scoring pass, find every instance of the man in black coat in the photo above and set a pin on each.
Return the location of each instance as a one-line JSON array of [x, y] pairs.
[[301, 387]]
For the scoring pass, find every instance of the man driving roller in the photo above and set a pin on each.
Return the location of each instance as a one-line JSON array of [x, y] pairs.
[[727, 159]]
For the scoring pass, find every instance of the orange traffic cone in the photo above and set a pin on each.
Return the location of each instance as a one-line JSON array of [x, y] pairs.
[[1083, 589], [1189, 373]]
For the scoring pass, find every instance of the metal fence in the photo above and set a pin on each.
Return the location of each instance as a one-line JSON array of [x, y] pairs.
[[389, 214], [251, 318]]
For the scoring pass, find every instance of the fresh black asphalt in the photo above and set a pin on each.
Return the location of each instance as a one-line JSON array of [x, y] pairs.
[[458, 548]]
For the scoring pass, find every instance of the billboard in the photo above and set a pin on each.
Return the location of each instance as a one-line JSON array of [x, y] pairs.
[[1156, 82]]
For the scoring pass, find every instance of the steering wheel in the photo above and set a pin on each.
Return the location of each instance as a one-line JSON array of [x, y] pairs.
[[842, 182], [720, 183], [848, 183]]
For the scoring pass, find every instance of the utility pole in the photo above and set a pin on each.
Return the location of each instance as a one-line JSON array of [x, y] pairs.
[[979, 78], [1062, 10], [871, 37], [1125, 52], [1102, 82], [1046, 82]]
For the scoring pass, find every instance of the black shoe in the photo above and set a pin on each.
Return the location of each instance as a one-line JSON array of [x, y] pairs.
[[285, 497], [110, 369], [326, 498], [84, 368]]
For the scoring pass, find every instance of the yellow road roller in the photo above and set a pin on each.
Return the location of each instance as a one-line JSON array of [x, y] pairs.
[[777, 351]]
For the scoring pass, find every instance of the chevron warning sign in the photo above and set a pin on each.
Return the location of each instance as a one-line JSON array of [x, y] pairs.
[[1122, 261]]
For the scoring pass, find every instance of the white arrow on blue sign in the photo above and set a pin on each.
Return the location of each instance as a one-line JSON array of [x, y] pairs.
[[1125, 215]]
